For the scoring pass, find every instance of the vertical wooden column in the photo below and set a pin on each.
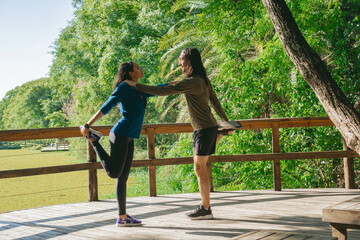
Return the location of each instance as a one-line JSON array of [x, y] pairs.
[[349, 173], [339, 232], [151, 155], [276, 163], [209, 170], [92, 174]]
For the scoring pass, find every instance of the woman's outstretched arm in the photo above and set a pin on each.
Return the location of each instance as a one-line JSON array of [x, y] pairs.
[[84, 131]]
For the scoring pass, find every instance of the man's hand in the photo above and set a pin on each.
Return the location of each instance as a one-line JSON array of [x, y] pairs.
[[229, 125], [130, 83]]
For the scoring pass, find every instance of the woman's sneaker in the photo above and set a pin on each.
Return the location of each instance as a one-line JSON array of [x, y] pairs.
[[128, 221], [200, 213], [94, 134]]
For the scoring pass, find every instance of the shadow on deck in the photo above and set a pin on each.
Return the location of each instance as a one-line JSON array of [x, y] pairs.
[[235, 212]]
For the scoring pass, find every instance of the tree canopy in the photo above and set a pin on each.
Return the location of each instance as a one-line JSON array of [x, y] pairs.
[[244, 58]]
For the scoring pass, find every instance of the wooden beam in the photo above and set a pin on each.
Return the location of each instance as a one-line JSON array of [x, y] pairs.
[[349, 174], [44, 133], [92, 173], [247, 158], [209, 170], [338, 231], [68, 132], [151, 155], [276, 163], [181, 160], [45, 170]]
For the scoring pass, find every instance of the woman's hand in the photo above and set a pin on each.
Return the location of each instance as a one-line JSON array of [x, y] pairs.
[[130, 83], [85, 132]]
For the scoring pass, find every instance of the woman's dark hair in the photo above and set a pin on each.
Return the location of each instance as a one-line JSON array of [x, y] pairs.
[[193, 64], [123, 73]]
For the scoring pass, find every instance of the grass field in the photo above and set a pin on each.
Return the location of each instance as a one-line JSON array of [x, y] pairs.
[[51, 189]]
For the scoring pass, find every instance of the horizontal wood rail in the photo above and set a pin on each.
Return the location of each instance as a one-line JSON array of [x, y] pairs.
[[68, 132], [177, 161], [152, 129]]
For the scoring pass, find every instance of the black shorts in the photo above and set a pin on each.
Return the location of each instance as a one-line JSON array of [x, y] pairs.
[[204, 141]]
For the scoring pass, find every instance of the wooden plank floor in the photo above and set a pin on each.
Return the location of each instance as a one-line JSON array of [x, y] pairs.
[[235, 212]]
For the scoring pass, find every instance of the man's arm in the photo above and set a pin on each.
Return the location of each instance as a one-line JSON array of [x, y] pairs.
[[214, 101], [183, 86], [151, 95], [225, 124]]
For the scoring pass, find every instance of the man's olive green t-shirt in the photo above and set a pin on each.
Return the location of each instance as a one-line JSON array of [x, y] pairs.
[[197, 95]]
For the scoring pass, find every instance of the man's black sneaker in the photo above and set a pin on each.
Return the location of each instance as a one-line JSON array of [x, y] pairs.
[[200, 213]]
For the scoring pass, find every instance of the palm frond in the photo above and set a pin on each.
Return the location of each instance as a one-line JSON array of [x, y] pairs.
[[173, 36], [184, 33], [172, 73], [160, 101], [191, 4], [170, 105], [172, 54]]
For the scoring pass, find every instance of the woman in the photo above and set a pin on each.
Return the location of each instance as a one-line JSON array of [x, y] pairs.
[[121, 137], [198, 92]]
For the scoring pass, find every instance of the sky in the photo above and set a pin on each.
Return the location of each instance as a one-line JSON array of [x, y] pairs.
[[28, 28]]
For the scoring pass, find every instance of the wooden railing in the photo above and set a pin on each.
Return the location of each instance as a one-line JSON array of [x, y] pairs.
[[152, 129]]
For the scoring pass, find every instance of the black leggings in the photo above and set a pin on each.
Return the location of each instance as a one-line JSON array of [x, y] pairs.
[[118, 164]]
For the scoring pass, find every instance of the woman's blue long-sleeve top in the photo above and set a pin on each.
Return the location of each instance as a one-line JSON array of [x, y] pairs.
[[132, 108]]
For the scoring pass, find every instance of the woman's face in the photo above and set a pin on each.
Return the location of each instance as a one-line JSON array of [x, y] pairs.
[[137, 73]]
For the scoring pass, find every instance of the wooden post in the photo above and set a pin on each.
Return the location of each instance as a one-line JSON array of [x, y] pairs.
[[349, 173], [209, 170], [339, 231], [92, 174], [151, 155], [276, 163]]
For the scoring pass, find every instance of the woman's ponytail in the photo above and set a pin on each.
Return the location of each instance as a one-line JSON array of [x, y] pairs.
[[123, 73]]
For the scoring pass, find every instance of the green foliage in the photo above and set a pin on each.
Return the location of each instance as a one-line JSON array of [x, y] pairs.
[[256, 79], [33, 105], [4, 103], [251, 73]]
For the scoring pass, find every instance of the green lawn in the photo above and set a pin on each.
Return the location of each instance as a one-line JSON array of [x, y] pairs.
[[50, 189]]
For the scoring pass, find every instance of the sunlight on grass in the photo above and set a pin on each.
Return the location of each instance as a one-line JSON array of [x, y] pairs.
[[50, 189], [62, 188]]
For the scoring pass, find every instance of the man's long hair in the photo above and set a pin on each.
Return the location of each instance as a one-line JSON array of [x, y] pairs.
[[194, 65]]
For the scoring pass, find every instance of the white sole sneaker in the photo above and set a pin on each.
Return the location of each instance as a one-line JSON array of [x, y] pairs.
[[206, 217], [96, 135]]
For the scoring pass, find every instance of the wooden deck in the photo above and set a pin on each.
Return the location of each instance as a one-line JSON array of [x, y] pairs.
[[236, 212]]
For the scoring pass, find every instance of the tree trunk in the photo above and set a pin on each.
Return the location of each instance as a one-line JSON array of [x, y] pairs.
[[314, 71], [357, 104]]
